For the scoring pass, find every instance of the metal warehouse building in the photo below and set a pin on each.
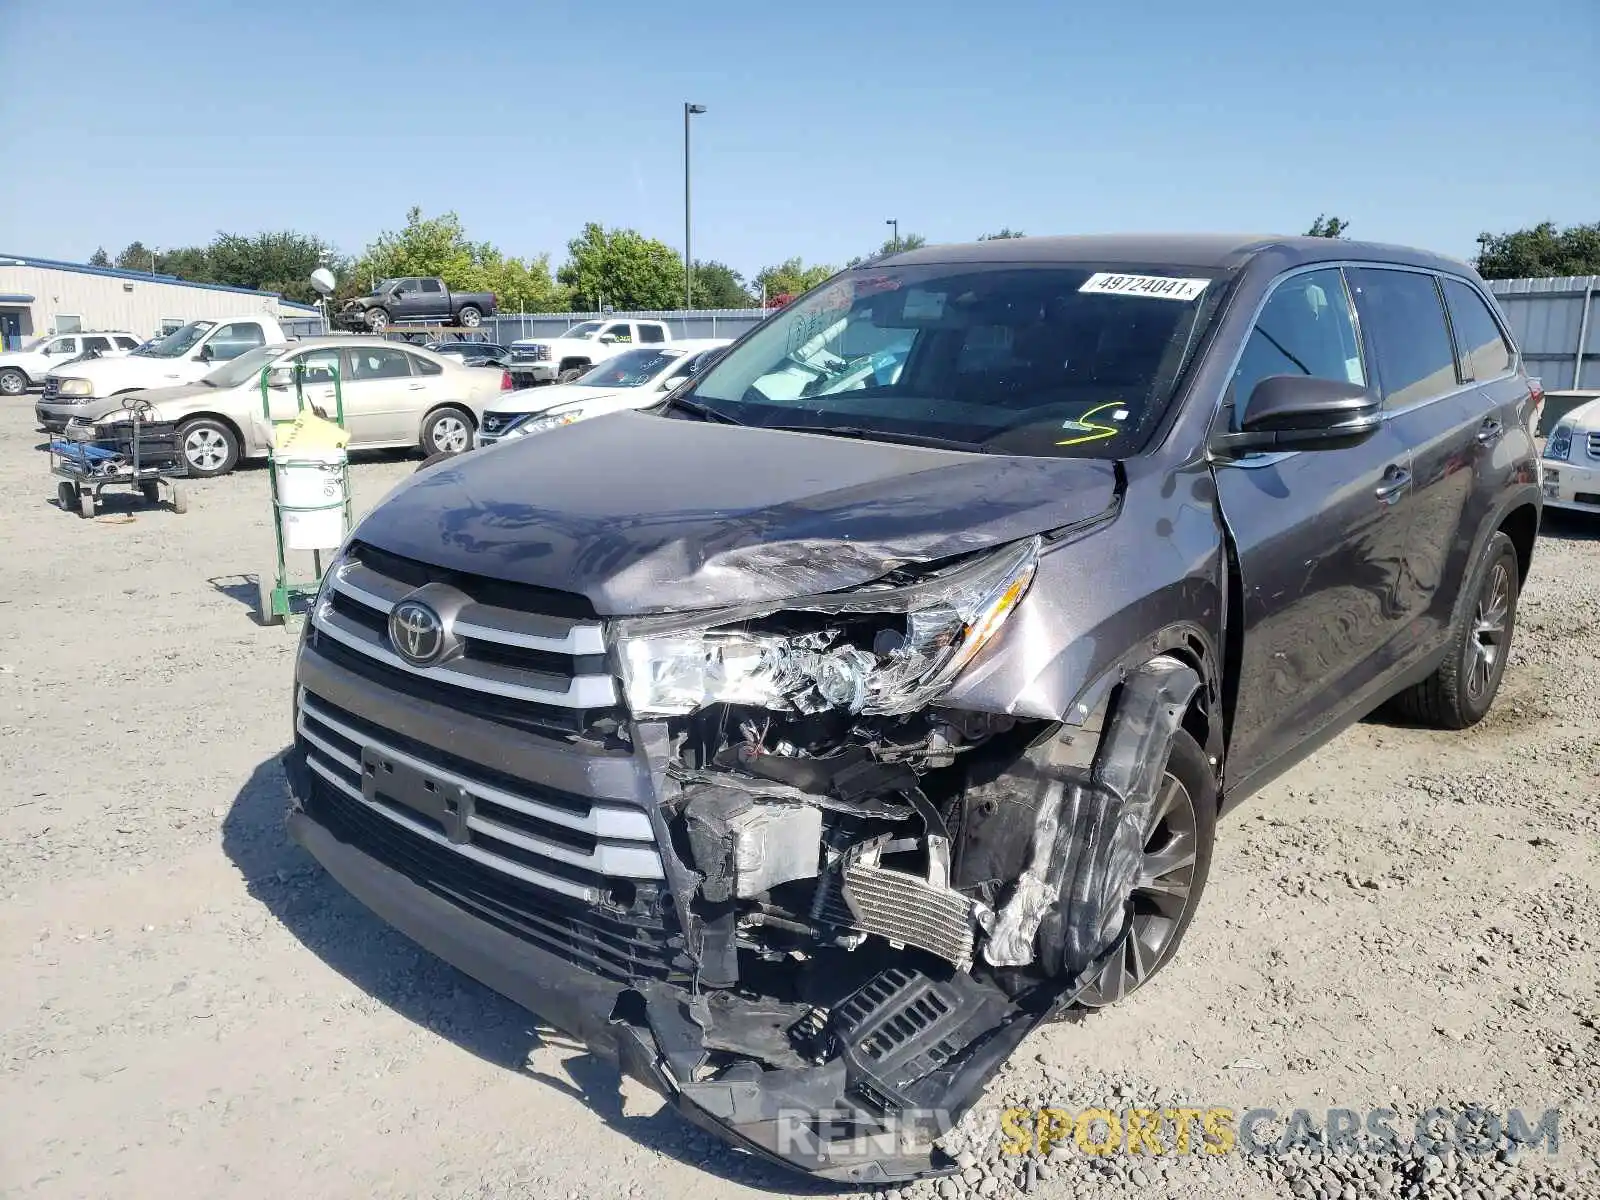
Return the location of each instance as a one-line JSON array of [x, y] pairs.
[[41, 295]]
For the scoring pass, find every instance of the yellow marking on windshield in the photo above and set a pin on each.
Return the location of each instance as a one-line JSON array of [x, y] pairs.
[[1093, 432]]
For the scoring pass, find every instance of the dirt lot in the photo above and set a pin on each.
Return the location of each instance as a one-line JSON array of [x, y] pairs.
[[192, 1008]]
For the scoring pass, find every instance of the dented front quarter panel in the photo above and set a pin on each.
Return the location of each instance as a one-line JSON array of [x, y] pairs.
[[1150, 579]]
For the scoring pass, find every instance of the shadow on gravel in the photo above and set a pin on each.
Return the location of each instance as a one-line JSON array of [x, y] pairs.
[[431, 993], [1562, 526]]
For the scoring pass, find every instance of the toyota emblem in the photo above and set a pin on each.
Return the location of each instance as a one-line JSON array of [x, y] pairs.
[[416, 632]]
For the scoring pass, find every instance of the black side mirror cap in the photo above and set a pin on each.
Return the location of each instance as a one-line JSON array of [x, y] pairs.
[[1299, 412]]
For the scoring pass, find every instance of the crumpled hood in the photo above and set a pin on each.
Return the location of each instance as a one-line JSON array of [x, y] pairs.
[[646, 514]]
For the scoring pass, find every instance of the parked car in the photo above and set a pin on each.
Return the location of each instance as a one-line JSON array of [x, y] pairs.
[[636, 378], [562, 359], [393, 397], [414, 299], [473, 354], [27, 367], [185, 355], [802, 745], [1570, 467]]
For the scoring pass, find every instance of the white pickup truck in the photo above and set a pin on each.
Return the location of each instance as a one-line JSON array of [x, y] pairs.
[[588, 343], [183, 356]]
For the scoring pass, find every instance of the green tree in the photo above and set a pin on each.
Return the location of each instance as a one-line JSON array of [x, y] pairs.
[[791, 277], [100, 258], [136, 257], [1004, 234], [279, 262], [908, 241], [188, 262], [622, 268], [426, 246], [1540, 252], [717, 285], [1328, 227], [519, 285]]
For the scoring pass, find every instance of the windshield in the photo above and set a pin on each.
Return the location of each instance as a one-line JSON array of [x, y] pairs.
[[383, 285], [178, 342], [244, 368], [583, 331], [631, 368], [1053, 361]]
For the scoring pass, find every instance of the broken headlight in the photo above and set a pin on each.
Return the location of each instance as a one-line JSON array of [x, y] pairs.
[[852, 663]]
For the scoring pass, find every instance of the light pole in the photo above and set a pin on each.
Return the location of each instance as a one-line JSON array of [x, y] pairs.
[[689, 110], [895, 223]]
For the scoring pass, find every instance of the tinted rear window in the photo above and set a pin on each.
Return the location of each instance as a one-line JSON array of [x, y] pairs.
[[1483, 345], [1404, 319]]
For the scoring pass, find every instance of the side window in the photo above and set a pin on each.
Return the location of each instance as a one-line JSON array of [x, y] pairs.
[[233, 340], [1406, 323], [320, 365], [431, 287], [652, 333], [1305, 328], [1483, 345], [376, 362], [621, 332], [97, 343], [125, 343], [62, 346], [422, 366]]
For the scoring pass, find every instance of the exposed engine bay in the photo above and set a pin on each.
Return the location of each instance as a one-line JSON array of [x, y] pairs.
[[883, 896]]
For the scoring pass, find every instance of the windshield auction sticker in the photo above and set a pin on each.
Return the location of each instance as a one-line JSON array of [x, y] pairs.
[[1159, 287]]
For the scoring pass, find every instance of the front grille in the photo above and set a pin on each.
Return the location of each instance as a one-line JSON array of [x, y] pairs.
[[498, 422], [1594, 445], [552, 840], [530, 353], [52, 388], [622, 944], [551, 664]]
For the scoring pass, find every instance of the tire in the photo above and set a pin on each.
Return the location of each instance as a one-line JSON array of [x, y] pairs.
[[1460, 692], [12, 382], [67, 496], [86, 503], [570, 373], [469, 317], [209, 447], [1184, 834], [180, 498], [377, 319], [446, 431]]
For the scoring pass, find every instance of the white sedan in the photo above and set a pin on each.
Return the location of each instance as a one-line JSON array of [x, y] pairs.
[[633, 379], [1570, 466]]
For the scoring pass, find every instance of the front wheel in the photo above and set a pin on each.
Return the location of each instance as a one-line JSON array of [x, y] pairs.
[[1172, 873], [209, 447], [12, 382], [377, 319], [448, 431], [571, 373], [469, 317], [1459, 693]]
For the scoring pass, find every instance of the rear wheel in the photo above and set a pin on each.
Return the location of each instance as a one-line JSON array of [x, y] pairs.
[[86, 503], [447, 431], [1172, 873], [469, 317], [1460, 692], [12, 382], [209, 447]]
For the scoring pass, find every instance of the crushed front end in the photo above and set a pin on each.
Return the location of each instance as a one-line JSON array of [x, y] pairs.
[[743, 852]]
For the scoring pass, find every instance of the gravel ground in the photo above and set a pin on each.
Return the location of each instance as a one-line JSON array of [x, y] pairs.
[[1408, 919]]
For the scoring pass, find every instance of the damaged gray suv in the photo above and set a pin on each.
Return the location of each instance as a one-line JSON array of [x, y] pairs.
[[803, 743]]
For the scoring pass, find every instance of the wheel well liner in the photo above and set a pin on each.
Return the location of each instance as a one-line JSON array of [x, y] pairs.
[[1521, 525]]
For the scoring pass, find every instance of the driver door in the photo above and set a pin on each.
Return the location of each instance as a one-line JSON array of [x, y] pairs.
[[1320, 537]]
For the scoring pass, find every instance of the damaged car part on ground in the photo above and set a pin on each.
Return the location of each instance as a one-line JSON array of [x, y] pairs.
[[892, 709]]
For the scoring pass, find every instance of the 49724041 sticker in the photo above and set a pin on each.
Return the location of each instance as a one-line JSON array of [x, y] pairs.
[[1157, 287]]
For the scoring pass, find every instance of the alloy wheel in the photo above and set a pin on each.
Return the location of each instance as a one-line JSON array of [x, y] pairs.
[[1489, 630], [12, 383], [1161, 895], [451, 435], [205, 449]]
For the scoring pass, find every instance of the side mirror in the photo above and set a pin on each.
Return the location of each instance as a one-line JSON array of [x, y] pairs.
[[280, 377], [607, 339], [1298, 412], [206, 354]]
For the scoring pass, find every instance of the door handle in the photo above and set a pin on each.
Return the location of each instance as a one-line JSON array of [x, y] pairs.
[[1491, 431], [1395, 481], [415, 387]]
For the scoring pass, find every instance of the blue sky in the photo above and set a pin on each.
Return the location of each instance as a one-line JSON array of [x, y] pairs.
[[1420, 121]]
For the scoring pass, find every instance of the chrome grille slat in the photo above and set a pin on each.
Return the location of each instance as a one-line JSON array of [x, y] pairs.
[[603, 821], [582, 691], [1594, 445], [554, 883]]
